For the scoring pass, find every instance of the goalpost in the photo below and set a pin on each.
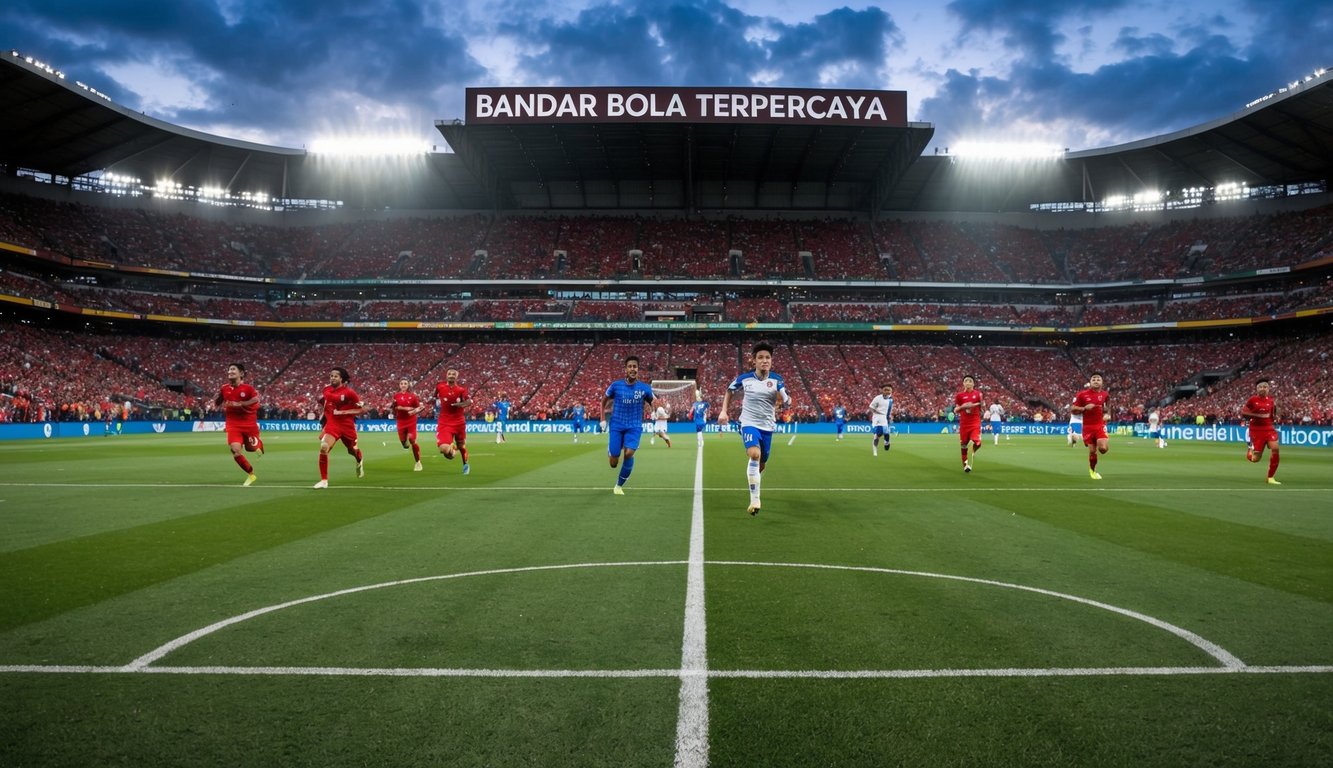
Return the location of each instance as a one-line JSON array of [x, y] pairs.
[[677, 394]]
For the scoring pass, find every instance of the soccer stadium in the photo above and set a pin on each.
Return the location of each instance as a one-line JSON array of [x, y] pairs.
[[1032, 602]]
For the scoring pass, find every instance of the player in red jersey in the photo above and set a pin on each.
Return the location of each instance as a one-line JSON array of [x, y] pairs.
[[406, 406], [451, 430], [341, 407], [967, 404], [240, 408], [1091, 402], [1261, 410]]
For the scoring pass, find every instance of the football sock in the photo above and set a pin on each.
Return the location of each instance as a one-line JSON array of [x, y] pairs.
[[357, 454], [1272, 463], [752, 476], [625, 469], [416, 452], [976, 447], [249, 470], [323, 466], [1092, 461], [462, 452], [964, 453]]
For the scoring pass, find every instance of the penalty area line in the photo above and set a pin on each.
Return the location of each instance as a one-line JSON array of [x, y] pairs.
[[355, 485]]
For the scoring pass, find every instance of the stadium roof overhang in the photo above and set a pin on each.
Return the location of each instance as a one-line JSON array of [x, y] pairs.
[[688, 166]]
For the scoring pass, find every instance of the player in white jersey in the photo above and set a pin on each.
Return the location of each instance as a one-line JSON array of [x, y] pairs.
[[760, 391], [1075, 435], [881, 416], [996, 415], [1155, 428], [660, 416]]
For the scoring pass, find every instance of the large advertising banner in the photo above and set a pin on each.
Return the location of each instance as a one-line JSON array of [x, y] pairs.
[[795, 106]]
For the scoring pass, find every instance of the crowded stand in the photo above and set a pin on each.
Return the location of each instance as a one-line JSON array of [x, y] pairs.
[[1119, 314], [1037, 374], [754, 310], [693, 248], [597, 245], [767, 246], [606, 310], [842, 249], [1301, 372]]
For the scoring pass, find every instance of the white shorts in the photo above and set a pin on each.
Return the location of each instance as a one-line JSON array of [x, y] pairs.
[[659, 426]]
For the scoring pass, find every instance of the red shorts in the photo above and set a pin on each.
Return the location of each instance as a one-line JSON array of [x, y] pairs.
[[970, 433], [1092, 434], [247, 435], [450, 433], [407, 431], [1262, 437], [343, 432]]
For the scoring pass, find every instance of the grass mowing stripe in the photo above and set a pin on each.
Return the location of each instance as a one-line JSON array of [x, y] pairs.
[[1295, 564], [50, 579]]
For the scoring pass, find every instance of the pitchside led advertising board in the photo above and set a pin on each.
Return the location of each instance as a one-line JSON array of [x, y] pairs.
[[1318, 437], [770, 106]]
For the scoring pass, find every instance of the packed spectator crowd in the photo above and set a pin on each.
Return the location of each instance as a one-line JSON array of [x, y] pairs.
[[597, 246], [61, 374]]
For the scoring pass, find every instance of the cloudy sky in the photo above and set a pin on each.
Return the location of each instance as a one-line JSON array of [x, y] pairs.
[[1075, 73]]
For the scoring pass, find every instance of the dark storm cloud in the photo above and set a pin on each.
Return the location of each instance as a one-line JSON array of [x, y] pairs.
[[709, 43], [1206, 71], [272, 64]]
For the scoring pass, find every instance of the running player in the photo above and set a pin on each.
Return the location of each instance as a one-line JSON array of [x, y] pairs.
[[881, 416], [1155, 428], [840, 420], [577, 414], [760, 390], [1091, 403], [995, 413], [623, 408], [1261, 410], [700, 413], [451, 429], [406, 407], [341, 407], [240, 409], [967, 404], [660, 416]]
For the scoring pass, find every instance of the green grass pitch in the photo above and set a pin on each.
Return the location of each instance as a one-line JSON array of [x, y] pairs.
[[880, 611]]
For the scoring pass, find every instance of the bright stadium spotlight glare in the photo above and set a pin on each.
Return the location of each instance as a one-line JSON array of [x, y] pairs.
[[1002, 150], [369, 146]]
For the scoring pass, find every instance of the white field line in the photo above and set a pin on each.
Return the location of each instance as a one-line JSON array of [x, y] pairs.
[[1207, 646], [183, 640], [353, 484], [692, 718], [1212, 649], [733, 674]]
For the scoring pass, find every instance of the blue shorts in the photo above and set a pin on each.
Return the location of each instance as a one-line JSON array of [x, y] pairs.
[[623, 438], [1155, 434], [754, 436], [841, 425], [698, 427], [578, 427], [880, 429]]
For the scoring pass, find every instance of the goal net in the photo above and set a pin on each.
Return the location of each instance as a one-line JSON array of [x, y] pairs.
[[678, 394]]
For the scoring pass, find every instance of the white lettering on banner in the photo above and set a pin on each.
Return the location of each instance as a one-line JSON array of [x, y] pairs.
[[639, 105]]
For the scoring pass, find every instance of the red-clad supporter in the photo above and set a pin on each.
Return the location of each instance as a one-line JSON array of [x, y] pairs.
[[694, 248], [952, 255], [240, 405], [1033, 373], [406, 408], [754, 310], [1261, 410], [341, 406], [904, 259], [451, 431], [967, 404], [840, 248], [519, 246], [1091, 402], [1118, 314]]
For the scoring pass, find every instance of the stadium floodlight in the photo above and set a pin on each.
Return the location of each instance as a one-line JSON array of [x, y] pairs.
[[1148, 197], [369, 146], [1001, 150]]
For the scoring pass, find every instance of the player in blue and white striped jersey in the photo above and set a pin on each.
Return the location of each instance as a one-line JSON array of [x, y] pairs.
[[760, 391]]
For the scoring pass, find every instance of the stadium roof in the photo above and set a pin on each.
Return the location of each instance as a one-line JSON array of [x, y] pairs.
[[61, 128]]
